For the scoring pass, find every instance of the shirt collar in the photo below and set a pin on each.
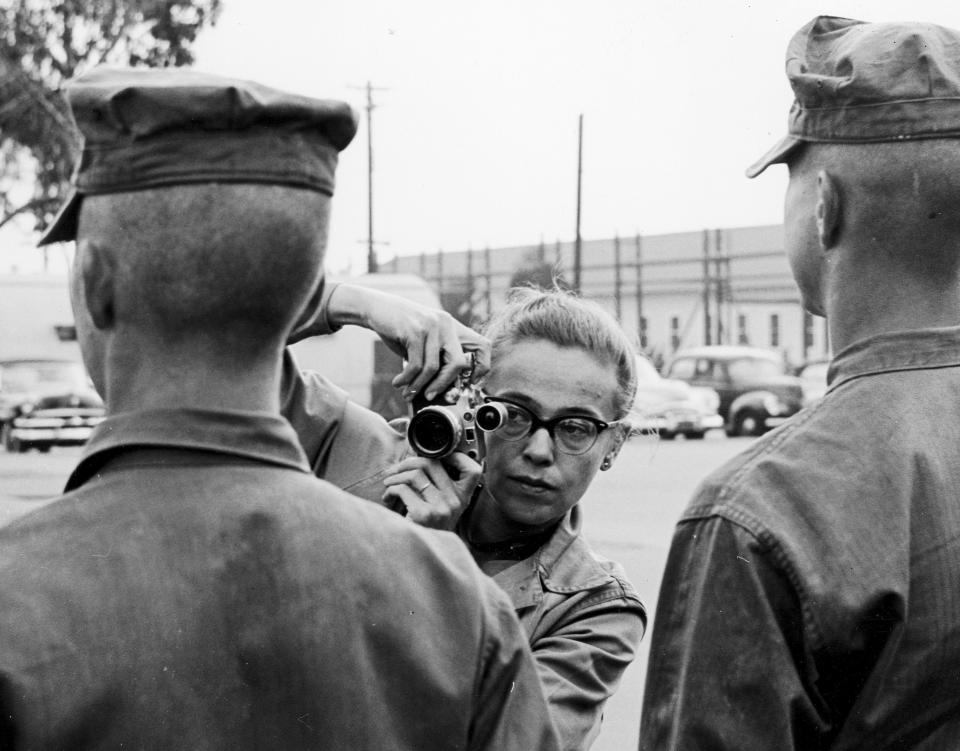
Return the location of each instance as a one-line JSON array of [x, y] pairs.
[[259, 436], [899, 350], [564, 564], [567, 563]]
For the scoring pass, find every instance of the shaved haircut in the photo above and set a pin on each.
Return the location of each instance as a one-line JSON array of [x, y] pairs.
[[226, 262]]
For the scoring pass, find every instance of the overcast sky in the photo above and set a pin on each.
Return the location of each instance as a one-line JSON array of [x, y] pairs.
[[475, 130]]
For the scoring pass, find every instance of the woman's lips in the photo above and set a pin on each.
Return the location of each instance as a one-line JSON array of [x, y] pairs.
[[532, 483]]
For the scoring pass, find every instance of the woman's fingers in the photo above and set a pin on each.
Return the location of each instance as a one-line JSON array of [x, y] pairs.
[[425, 488]]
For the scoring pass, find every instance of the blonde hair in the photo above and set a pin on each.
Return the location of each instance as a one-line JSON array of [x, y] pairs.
[[566, 320]]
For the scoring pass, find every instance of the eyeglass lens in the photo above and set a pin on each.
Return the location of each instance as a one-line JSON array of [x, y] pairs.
[[573, 435]]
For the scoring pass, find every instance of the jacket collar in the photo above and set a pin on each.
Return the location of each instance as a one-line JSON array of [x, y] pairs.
[[899, 350], [257, 436], [564, 564]]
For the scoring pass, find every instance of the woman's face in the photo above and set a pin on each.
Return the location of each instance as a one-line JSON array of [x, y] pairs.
[[530, 482]]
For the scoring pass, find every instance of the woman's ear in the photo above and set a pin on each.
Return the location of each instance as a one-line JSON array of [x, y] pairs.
[[619, 438], [97, 276]]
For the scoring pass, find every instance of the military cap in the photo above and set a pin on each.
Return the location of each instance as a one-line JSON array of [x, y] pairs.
[[858, 82], [149, 128]]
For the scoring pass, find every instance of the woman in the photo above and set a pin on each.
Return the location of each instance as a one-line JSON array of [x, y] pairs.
[[565, 373]]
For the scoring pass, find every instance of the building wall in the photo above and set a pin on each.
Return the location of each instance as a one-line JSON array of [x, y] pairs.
[[35, 317], [675, 290]]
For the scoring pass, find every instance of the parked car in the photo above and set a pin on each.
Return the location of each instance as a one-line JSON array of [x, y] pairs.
[[813, 380], [756, 393], [672, 408], [45, 403]]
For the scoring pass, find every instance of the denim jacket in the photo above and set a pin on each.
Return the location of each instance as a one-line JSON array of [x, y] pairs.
[[811, 598]]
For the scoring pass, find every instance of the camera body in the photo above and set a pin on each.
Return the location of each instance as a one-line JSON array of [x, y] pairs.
[[454, 421]]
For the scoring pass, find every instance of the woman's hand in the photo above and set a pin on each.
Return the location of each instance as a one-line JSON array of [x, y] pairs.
[[435, 345], [424, 486]]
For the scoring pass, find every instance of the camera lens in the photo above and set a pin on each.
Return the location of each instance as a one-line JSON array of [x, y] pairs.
[[433, 433], [491, 416]]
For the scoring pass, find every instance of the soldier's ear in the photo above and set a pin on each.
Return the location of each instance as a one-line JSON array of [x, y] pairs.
[[829, 210], [97, 275]]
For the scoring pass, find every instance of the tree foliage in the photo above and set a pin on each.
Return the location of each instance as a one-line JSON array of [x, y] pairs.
[[43, 43]]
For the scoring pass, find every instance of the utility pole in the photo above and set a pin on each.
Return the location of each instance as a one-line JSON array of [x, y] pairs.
[[578, 243], [372, 264]]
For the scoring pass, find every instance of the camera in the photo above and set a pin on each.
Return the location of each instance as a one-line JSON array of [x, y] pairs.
[[454, 421]]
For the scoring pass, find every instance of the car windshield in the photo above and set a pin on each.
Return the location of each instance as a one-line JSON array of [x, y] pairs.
[[646, 372], [753, 369], [40, 376]]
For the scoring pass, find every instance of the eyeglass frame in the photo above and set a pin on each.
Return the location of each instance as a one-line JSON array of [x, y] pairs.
[[537, 422]]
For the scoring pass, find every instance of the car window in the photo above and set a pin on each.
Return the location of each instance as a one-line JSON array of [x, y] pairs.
[[682, 369], [704, 369], [753, 369]]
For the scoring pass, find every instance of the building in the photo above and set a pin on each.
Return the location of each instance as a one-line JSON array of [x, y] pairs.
[[721, 286]]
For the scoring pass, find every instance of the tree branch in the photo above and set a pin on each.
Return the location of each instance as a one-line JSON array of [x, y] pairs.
[[31, 205]]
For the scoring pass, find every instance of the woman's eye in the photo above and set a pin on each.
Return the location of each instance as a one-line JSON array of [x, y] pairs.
[[515, 414], [576, 428]]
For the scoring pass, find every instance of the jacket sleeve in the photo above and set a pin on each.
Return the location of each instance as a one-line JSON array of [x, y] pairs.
[[728, 649], [581, 661], [345, 444], [510, 712]]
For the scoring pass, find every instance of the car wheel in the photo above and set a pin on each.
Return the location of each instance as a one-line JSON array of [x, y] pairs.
[[748, 423], [43, 448], [667, 435], [10, 443], [695, 434]]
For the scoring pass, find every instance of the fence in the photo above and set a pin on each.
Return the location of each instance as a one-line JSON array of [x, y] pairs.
[[718, 286]]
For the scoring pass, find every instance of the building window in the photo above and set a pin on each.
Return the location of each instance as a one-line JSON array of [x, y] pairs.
[[644, 342], [774, 330], [674, 333], [742, 337]]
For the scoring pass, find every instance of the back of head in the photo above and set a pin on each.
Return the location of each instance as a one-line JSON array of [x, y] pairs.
[[566, 320], [229, 264], [901, 200], [205, 198], [877, 108]]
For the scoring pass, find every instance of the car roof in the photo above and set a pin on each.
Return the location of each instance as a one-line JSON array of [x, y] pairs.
[[728, 352]]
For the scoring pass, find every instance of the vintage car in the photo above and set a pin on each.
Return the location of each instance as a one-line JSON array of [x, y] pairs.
[[756, 393], [46, 403], [670, 408], [813, 380]]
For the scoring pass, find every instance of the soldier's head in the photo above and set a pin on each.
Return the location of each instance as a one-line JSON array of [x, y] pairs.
[[873, 148], [200, 211]]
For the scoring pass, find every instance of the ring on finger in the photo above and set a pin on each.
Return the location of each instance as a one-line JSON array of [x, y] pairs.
[[425, 486]]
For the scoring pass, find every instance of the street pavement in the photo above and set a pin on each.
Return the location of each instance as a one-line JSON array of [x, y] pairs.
[[629, 515]]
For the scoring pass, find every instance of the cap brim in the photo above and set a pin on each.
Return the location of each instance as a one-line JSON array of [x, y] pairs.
[[778, 154], [63, 228]]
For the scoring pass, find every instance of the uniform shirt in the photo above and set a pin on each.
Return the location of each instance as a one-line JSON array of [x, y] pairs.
[[198, 588], [811, 598], [584, 621]]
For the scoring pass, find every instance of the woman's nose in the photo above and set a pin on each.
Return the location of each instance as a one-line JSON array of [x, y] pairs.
[[539, 446]]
